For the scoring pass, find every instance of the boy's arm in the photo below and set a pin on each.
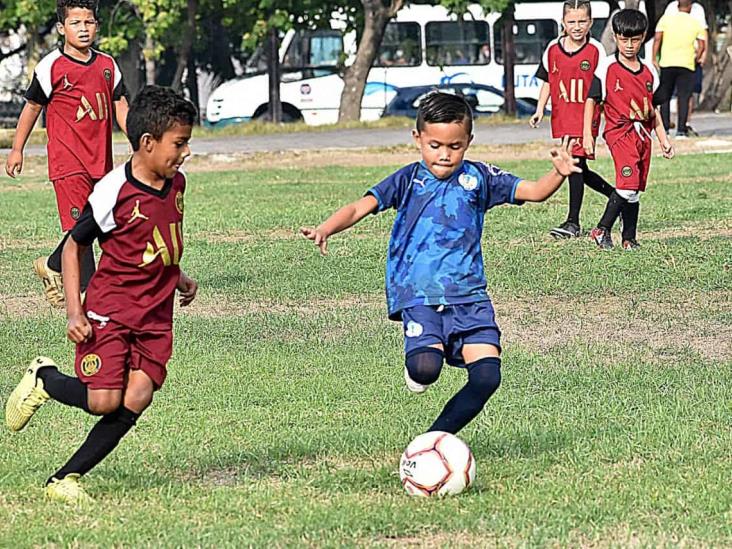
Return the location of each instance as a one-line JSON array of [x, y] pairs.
[[121, 107], [187, 287], [541, 189], [78, 328], [341, 220], [26, 121], [663, 140], [657, 41], [588, 141], [538, 116]]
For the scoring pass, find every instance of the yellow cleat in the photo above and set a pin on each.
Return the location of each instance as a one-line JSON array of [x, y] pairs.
[[68, 490], [53, 283], [28, 396]]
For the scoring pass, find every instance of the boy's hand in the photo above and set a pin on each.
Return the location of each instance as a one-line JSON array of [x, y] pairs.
[[78, 328], [536, 119], [588, 143], [187, 287], [14, 163], [667, 149], [562, 158], [318, 237]]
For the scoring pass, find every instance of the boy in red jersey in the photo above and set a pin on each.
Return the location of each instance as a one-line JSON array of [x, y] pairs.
[[123, 331], [81, 89], [626, 85], [566, 68]]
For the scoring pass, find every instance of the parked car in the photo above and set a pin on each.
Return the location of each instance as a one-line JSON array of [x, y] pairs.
[[484, 100]]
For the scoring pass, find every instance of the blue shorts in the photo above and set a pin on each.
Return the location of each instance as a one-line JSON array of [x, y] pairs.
[[451, 325], [698, 79]]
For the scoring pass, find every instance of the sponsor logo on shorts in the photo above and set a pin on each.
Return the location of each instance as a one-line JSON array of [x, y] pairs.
[[107, 75], [649, 86], [75, 213], [585, 65], [468, 182], [179, 202], [90, 364], [414, 329], [627, 171]]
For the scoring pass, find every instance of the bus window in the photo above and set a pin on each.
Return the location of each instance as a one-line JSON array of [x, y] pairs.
[[530, 38], [458, 43], [313, 49], [401, 46]]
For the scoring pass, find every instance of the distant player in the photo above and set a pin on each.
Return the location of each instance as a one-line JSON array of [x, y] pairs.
[[123, 331], [81, 89], [625, 86], [567, 67], [435, 282]]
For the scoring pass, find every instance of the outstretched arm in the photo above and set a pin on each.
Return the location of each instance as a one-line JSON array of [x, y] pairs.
[[342, 219], [563, 165]]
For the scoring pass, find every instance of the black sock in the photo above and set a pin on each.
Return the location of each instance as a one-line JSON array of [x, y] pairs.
[[576, 194], [103, 438], [596, 182], [615, 204], [88, 267], [54, 260], [64, 389], [484, 377], [630, 220]]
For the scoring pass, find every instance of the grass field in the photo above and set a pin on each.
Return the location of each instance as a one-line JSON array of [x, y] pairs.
[[285, 412]]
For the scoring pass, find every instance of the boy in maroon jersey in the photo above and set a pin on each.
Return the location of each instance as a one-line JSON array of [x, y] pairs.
[[123, 331], [81, 89], [566, 68], [626, 85]]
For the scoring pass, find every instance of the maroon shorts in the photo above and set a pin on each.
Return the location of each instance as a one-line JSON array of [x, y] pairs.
[[72, 194], [104, 361], [632, 157], [578, 150]]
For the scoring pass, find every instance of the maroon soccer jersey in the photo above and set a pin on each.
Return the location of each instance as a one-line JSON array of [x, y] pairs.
[[78, 99], [570, 76], [140, 233], [627, 97]]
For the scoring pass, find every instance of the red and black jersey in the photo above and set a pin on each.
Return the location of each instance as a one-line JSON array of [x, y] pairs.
[[78, 98], [627, 97], [569, 75], [140, 233]]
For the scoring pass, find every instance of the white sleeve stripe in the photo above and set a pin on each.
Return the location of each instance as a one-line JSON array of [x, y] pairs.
[[43, 71], [600, 48], [104, 198]]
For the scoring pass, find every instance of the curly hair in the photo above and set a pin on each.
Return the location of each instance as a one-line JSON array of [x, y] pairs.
[[63, 6], [154, 111]]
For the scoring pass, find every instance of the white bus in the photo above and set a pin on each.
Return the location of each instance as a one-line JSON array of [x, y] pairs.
[[422, 45]]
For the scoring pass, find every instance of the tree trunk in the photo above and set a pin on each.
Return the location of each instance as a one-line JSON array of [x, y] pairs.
[[273, 73], [376, 16], [509, 60], [717, 84], [607, 34], [148, 53], [192, 86], [186, 45]]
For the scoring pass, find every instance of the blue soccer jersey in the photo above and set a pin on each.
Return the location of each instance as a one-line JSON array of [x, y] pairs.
[[435, 256]]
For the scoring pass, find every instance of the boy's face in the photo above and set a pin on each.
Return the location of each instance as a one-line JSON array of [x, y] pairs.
[[629, 46], [79, 29], [167, 154], [443, 146]]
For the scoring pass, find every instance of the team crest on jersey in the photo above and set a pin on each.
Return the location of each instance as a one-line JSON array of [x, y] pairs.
[[107, 75], [179, 202], [90, 364], [468, 182], [627, 171], [649, 86], [585, 65], [75, 213], [414, 329]]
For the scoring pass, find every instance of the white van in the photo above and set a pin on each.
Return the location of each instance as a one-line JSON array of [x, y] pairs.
[[423, 45]]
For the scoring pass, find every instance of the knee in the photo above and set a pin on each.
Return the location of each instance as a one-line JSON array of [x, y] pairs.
[[103, 404], [424, 365], [138, 398], [485, 375]]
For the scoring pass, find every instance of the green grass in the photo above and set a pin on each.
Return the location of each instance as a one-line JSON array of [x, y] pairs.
[[285, 413]]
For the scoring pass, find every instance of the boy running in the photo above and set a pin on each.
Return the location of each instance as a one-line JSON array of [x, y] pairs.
[[435, 283], [80, 89], [566, 68], [625, 85], [123, 331]]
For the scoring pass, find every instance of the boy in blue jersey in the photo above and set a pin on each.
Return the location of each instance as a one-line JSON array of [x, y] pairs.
[[435, 283]]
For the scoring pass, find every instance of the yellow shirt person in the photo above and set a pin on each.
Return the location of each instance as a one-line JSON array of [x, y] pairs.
[[680, 31]]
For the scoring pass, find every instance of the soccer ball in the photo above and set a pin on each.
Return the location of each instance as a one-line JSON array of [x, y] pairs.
[[436, 464]]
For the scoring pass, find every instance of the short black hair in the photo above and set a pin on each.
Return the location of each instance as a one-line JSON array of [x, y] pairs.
[[630, 23], [155, 110], [440, 107], [62, 7]]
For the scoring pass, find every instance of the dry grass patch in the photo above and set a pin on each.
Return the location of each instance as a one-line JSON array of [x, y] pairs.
[[27, 306]]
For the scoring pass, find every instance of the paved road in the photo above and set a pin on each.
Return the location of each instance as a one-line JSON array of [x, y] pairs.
[[707, 124]]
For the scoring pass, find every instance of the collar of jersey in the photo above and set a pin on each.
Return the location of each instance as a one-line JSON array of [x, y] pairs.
[[162, 193], [89, 61], [575, 52], [457, 171], [631, 71]]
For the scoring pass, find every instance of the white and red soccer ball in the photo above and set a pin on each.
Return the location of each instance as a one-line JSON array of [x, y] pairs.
[[436, 464]]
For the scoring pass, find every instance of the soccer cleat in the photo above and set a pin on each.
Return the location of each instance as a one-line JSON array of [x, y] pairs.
[[67, 490], [631, 245], [413, 385], [53, 283], [691, 131], [602, 238], [27, 397], [566, 230]]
